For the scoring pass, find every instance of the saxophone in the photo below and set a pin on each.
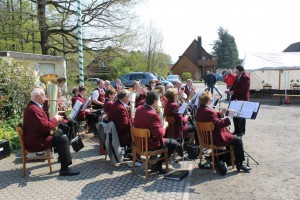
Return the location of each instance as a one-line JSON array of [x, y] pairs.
[[51, 82]]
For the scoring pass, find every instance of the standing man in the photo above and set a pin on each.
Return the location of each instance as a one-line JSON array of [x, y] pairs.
[[240, 90], [99, 95], [210, 81], [37, 137], [229, 79]]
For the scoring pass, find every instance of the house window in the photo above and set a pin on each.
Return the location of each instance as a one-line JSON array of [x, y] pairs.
[[203, 58]]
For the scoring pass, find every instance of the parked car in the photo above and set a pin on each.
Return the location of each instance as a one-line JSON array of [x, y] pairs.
[[173, 78], [93, 80], [163, 80], [145, 77], [219, 77]]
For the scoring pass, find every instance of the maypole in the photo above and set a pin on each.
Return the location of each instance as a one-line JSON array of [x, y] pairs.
[[80, 47]]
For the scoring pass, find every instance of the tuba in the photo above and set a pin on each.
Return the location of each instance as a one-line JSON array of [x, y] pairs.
[[51, 82], [132, 103]]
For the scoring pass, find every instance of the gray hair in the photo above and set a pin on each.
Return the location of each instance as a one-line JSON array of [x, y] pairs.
[[189, 81], [36, 92]]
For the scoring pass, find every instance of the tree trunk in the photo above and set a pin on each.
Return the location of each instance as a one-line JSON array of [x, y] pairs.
[[43, 27]]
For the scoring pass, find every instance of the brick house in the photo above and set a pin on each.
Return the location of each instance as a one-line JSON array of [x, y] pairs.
[[194, 60]]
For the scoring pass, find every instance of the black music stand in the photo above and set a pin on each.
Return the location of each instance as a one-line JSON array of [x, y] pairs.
[[246, 110]]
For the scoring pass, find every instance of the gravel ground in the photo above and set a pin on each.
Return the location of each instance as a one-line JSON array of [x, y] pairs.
[[272, 140]]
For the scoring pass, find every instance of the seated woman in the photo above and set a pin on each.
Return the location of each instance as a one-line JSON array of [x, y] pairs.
[[110, 95], [181, 122], [222, 136], [92, 118]]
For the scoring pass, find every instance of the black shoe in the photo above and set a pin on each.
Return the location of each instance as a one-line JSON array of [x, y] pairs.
[[68, 172], [179, 151], [243, 167]]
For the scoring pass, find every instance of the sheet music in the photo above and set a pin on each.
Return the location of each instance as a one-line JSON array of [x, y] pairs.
[[247, 108], [75, 109], [182, 108], [236, 105], [87, 103]]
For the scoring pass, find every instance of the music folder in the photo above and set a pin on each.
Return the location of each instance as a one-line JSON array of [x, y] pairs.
[[75, 110], [87, 103], [246, 109], [177, 175], [182, 108]]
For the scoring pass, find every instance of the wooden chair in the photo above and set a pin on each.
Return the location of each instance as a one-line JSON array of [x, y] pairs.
[[24, 152], [140, 147], [170, 129], [205, 135]]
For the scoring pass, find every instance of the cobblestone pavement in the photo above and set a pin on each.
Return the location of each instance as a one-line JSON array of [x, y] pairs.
[[98, 179]]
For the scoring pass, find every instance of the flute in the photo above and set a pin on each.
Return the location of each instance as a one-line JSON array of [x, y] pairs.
[[227, 109]]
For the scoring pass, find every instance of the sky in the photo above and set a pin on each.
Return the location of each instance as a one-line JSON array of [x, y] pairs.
[[256, 25]]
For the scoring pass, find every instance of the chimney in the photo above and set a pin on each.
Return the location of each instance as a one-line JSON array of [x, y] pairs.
[[199, 48]]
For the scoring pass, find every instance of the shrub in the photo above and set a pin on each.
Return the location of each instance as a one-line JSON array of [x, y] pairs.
[[8, 132], [17, 80], [186, 76]]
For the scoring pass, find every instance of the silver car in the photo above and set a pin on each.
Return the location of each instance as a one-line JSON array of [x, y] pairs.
[[173, 78], [145, 78]]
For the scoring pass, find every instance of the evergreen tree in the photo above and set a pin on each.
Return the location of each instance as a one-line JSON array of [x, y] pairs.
[[225, 50]]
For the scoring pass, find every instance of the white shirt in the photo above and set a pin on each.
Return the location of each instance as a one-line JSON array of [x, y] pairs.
[[96, 93]]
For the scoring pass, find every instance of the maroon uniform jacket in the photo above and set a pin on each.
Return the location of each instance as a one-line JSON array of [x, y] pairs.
[[37, 128], [187, 91], [74, 100], [241, 88], [140, 100], [222, 136], [146, 117], [171, 109], [101, 98], [107, 104], [123, 121]]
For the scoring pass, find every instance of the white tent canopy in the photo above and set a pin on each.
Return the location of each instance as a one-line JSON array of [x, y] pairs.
[[267, 61], [269, 67]]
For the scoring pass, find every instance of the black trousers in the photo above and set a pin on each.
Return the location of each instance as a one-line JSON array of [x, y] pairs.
[[238, 150], [239, 125], [61, 143], [171, 145], [93, 119]]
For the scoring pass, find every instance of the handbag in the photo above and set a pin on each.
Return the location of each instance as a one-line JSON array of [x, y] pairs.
[[77, 143], [193, 151]]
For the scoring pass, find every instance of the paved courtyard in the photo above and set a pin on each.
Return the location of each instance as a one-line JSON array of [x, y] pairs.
[[272, 139], [98, 179]]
